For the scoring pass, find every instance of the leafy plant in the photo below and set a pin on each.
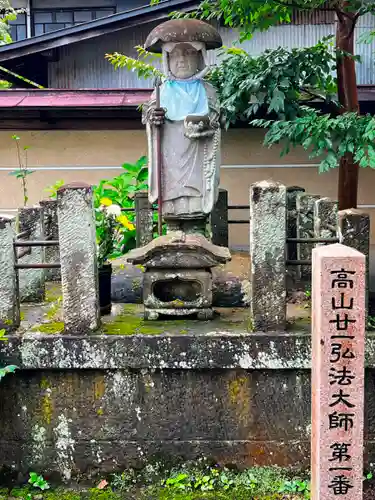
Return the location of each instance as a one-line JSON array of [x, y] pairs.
[[52, 190], [7, 369], [115, 228], [142, 65], [106, 216], [7, 13], [296, 486], [38, 481], [325, 137], [371, 323], [276, 82], [22, 172]]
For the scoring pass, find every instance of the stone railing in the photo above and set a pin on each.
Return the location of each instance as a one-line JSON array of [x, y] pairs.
[[285, 225], [55, 239]]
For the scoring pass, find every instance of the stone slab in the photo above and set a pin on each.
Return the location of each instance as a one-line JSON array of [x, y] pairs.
[[355, 233], [219, 220], [78, 257], [9, 300], [51, 231], [144, 219], [338, 334], [267, 253], [293, 272], [305, 229], [179, 250], [32, 281], [215, 349]]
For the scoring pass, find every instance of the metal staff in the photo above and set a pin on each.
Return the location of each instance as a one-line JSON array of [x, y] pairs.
[[159, 160]]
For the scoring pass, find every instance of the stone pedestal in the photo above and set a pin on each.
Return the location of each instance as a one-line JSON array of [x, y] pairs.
[[178, 278]]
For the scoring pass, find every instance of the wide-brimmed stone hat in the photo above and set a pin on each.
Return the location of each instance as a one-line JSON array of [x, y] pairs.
[[183, 30]]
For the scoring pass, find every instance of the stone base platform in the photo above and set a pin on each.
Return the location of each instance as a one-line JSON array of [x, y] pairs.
[[85, 406]]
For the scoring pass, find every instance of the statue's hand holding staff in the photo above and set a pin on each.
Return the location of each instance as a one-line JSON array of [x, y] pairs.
[[157, 116]]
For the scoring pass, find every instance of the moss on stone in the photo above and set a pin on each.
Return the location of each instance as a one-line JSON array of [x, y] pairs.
[[54, 327], [128, 324], [136, 284], [95, 494], [47, 408], [235, 494], [99, 386], [147, 494], [53, 292], [44, 384], [299, 324], [130, 321], [235, 387]]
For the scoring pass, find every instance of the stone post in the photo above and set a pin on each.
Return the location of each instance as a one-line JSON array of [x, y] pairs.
[[32, 281], [219, 220], [338, 336], [9, 300], [267, 254], [291, 200], [143, 219], [355, 233], [326, 221], [78, 257], [51, 231], [305, 229]]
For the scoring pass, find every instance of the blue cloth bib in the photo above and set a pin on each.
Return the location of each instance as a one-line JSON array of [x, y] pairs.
[[182, 98]]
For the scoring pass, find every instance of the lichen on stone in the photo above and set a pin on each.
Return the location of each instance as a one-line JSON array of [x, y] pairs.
[[53, 327]]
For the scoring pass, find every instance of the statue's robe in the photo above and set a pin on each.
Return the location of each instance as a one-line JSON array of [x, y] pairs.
[[190, 167]]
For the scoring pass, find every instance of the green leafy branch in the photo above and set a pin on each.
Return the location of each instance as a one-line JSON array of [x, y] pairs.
[[325, 136], [276, 81], [7, 14], [142, 65]]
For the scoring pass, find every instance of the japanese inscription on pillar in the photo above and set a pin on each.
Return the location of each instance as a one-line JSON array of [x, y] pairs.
[[337, 372]]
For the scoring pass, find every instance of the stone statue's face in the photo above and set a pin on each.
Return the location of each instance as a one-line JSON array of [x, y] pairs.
[[183, 62]]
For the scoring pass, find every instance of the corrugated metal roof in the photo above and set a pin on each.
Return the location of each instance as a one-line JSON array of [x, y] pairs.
[[84, 65]]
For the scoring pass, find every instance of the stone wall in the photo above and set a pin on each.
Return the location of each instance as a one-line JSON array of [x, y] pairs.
[[80, 407]]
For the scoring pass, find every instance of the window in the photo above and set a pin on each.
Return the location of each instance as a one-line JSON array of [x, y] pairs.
[[45, 21], [18, 28]]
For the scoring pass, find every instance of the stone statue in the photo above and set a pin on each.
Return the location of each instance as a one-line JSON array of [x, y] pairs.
[[183, 131], [189, 117]]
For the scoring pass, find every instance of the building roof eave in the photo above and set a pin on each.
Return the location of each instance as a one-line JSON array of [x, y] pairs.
[[99, 98], [72, 98]]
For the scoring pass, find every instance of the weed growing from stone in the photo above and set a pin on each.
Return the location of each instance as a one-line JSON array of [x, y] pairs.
[[7, 369], [371, 323], [38, 481], [203, 478]]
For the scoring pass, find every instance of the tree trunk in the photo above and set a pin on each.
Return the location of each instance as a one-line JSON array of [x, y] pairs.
[[348, 99]]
